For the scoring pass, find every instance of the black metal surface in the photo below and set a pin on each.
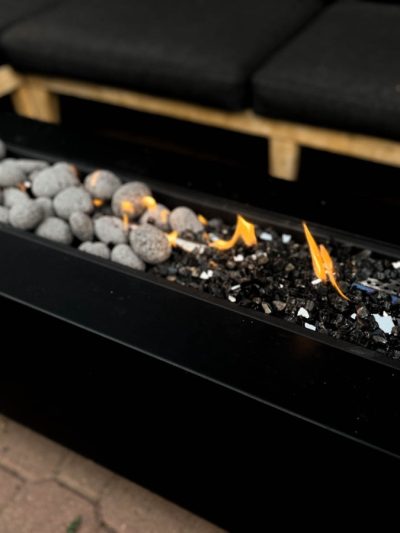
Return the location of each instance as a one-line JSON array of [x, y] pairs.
[[247, 373]]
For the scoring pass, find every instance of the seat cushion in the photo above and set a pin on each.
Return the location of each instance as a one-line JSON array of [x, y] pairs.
[[14, 10], [201, 50], [343, 71]]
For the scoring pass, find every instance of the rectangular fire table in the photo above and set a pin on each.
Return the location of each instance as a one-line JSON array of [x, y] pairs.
[[192, 396]]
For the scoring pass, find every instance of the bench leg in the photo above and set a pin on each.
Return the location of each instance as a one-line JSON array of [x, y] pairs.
[[34, 101], [284, 159]]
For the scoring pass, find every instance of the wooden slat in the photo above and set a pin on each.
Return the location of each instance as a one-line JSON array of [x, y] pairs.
[[9, 80], [351, 144]]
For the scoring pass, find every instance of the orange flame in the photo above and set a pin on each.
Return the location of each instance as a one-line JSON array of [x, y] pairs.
[[164, 214], [22, 187], [202, 220], [322, 262], [148, 201], [127, 210], [97, 202], [244, 231], [172, 237]]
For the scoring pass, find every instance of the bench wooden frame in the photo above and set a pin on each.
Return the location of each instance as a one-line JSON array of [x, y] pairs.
[[36, 97]]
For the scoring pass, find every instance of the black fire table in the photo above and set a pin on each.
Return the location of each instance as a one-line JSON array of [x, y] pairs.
[[216, 407]]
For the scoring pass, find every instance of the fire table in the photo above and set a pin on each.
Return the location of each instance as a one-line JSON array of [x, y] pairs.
[[163, 381]]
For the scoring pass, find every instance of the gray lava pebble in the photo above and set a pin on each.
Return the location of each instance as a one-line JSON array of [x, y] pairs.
[[4, 214], [110, 230], [26, 215], [10, 173], [1, 196], [13, 196], [150, 244], [96, 248], [72, 199], [132, 192], [185, 219], [81, 226], [157, 215], [30, 165], [3, 149], [102, 184], [55, 229], [123, 254], [52, 180], [47, 205]]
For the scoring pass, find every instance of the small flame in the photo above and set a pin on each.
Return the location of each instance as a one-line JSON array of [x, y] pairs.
[[164, 214], [244, 231], [97, 202], [22, 187], [127, 209], [202, 220], [149, 202], [172, 237], [322, 262]]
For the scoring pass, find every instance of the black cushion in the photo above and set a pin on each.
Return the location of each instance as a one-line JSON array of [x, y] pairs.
[[343, 71], [201, 50], [15, 10]]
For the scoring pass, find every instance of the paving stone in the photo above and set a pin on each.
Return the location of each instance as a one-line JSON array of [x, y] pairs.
[[30, 455], [128, 508], [84, 476], [47, 508], [9, 484]]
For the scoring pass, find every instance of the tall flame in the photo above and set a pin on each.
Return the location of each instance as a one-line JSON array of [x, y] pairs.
[[244, 231], [322, 262]]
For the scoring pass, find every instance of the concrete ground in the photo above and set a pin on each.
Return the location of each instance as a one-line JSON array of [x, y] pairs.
[[45, 488]]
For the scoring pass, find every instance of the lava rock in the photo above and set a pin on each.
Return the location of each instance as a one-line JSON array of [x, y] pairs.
[[26, 215], [52, 180], [150, 244], [1, 196], [10, 174], [132, 192], [81, 226], [110, 230], [4, 214], [28, 166], [13, 196], [3, 149], [102, 184], [184, 219], [158, 216], [123, 254], [72, 199], [96, 248], [55, 229], [47, 206]]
